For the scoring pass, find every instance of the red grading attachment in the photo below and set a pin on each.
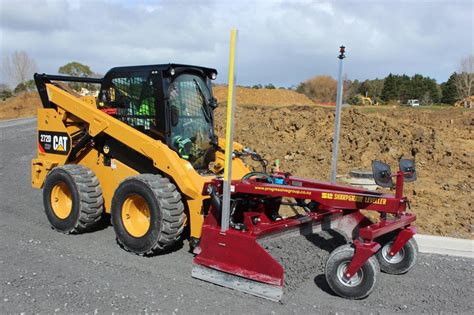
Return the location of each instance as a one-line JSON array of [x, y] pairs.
[[234, 258]]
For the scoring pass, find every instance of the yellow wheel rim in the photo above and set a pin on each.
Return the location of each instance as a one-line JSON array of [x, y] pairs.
[[61, 200], [136, 215]]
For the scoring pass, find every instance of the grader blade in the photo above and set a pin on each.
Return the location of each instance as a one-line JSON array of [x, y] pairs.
[[260, 289]]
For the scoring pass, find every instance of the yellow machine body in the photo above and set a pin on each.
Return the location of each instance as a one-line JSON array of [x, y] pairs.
[[73, 114]]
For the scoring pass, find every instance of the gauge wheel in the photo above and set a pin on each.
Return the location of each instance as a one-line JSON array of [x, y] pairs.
[[399, 263], [361, 284]]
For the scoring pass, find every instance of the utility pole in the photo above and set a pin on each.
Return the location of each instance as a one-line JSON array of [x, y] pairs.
[[337, 120]]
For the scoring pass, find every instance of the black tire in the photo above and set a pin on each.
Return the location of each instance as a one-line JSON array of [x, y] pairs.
[[401, 262], [84, 195], [361, 284], [165, 210]]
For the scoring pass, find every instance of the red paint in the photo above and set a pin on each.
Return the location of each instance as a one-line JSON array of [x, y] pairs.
[[109, 111], [40, 148], [363, 251], [399, 185], [239, 253], [402, 238], [386, 226]]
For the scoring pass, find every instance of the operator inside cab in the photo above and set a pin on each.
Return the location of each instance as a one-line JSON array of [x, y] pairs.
[[192, 133]]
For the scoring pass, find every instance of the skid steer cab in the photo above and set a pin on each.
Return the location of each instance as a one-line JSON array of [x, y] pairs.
[[144, 151]]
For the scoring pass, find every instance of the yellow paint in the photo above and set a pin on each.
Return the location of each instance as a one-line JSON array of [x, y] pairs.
[[195, 215], [239, 168], [354, 198], [89, 100], [109, 177], [74, 113], [326, 195], [230, 105], [47, 120], [164, 159], [61, 200], [39, 169], [136, 215]]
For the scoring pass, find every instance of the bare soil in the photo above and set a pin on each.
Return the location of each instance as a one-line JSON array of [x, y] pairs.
[[441, 141], [264, 97], [23, 105]]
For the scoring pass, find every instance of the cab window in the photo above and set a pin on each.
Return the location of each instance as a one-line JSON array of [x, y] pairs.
[[191, 120], [134, 99]]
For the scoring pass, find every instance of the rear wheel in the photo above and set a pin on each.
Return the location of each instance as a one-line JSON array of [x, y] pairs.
[[147, 214], [72, 198], [399, 263], [361, 284]]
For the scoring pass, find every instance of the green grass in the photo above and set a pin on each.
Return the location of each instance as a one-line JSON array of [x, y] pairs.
[[385, 108]]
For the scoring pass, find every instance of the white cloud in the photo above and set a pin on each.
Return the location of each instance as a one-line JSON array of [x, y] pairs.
[[282, 42]]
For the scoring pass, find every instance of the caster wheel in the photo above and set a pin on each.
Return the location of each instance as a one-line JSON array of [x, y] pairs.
[[399, 263], [361, 284]]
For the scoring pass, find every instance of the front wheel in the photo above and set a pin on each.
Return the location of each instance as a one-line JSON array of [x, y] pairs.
[[147, 214], [399, 263], [361, 284]]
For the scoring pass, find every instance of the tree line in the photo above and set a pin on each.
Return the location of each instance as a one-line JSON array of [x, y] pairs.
[[395, 88]]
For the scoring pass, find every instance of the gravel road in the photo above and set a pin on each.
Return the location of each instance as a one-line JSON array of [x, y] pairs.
[[45, 271]]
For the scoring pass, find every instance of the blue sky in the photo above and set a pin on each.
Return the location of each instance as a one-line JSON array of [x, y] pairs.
[[280, 42]]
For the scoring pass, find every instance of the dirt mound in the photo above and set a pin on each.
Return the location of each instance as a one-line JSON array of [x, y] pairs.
[[441, 141], [23, 105], [264, 97]]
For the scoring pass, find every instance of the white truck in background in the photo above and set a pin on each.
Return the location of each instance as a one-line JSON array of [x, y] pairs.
[[413, 103]]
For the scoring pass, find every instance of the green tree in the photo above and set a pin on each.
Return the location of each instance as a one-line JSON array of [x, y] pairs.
[[5, 91], [24, 87], [390, 88], [431, 88], [401, 88], [300, 88], [351, 89], [371, 88], [449, 93], [417, 87], [270, 86], [404, 88], [77, 69]]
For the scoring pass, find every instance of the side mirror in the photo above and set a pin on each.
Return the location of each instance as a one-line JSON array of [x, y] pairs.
[[174, 116], [213, 103], [408, 166], [382, 174]]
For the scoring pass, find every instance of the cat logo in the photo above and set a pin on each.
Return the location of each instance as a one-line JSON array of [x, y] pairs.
[[53, 142], [60, 143]]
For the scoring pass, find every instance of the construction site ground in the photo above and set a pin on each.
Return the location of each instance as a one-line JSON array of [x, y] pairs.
[[440, 139], [285, 125], [43, 271]]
